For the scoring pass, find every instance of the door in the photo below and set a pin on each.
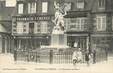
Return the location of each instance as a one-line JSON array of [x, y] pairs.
[[31, 28]]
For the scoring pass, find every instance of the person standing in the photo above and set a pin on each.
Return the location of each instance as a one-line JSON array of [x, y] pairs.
[[77, 56], [87, 57], [79, 53], [74, 57], [15, 55], [91, 58], [94, 56], [106, 52], [51, 57]]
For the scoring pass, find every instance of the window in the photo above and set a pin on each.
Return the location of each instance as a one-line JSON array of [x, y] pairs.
[[44, 27], [19, 27], [24, 28], [80, 4], [101, 23], [44, 7], [101, 3], [37, 28], [32, 7], [77, 24], [20, 8]]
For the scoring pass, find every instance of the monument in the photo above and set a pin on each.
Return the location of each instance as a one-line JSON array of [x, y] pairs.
[[58, 36]]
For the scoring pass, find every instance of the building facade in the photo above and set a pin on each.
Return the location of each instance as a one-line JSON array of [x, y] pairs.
[[88, 23], [6, 40], [32, 23], [102, 35], [90, 20]]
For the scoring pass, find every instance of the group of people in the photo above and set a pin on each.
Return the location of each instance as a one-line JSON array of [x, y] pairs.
[[88, 56]]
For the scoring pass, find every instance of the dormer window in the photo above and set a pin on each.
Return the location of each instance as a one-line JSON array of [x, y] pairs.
[[80, 4], [101, 3]]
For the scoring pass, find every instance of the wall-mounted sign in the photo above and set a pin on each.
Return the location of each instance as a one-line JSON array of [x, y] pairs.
[[37, 18]]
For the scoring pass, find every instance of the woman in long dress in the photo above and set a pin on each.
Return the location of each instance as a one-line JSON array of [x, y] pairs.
[[77, 56]]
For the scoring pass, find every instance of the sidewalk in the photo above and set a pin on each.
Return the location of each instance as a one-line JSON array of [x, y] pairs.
[[32, 67]]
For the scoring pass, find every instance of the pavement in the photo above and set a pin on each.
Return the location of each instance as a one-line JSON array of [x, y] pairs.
[[7, 65]]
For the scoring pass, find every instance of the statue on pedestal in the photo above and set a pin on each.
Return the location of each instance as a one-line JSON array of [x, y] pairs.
[[60, 12], [58, 38]]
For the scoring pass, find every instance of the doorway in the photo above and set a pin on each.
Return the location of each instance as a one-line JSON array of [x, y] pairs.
[[31, 28]]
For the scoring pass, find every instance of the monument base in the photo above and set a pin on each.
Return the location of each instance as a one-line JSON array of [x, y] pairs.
[[59, 40]]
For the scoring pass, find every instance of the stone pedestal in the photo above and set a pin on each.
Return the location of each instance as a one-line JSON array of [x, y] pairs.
[[59, 40]]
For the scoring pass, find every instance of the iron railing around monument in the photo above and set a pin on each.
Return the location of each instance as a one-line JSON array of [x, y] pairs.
[[51, 56], [44, 56]]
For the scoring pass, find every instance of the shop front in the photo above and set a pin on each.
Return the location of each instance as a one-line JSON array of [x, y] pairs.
[[30, 43], [78, 40], [6, 43]]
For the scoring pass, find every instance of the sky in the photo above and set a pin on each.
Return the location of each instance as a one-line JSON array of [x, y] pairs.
[[10, 3]]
